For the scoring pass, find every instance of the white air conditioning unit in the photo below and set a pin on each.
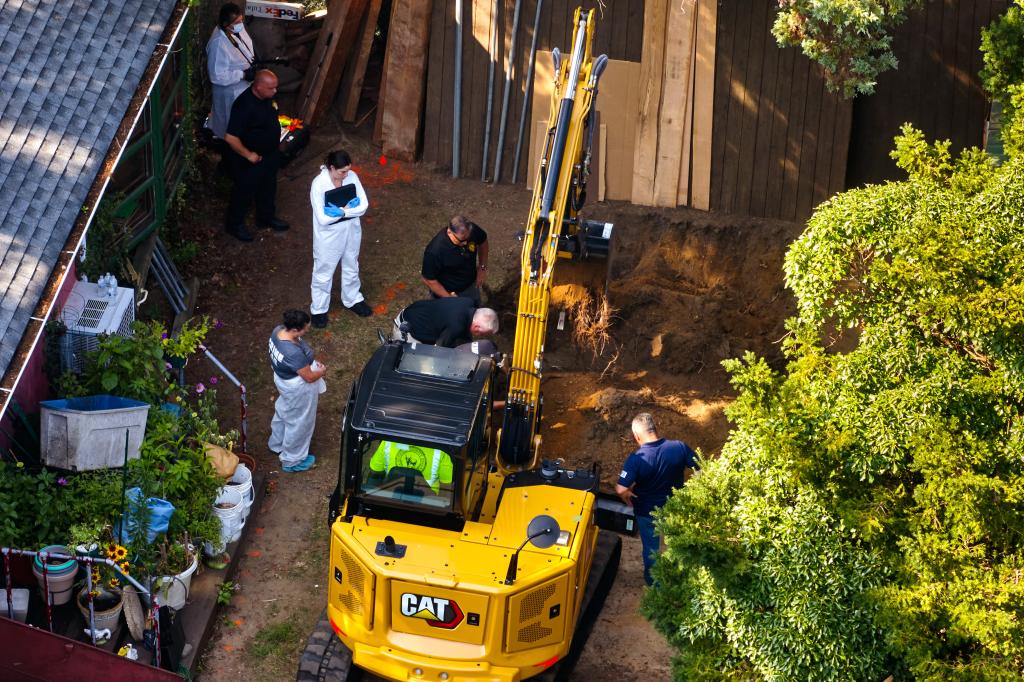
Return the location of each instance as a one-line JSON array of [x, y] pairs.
[[89, 312]]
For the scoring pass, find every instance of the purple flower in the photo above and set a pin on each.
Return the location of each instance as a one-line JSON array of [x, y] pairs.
[[62, 481], [217, 324], [200, 388], [214, 380], [164, 335], [168, 365]]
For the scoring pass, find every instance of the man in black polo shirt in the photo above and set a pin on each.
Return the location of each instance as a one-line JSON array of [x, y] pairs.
[[455, 260], [445, 321], [254, 134]]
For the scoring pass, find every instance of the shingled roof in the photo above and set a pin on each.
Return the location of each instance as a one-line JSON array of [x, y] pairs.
[[68, 73]]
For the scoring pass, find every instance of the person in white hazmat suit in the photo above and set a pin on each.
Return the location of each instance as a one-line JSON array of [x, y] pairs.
[[337, 235], [298, 377], [229, 60]]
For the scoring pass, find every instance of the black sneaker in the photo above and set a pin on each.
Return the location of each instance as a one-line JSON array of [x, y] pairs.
[[276, 224], [361, 309], [319, 320], [241, 233]]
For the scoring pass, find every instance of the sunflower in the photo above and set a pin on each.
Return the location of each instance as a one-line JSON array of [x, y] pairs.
[[113, 582], [95, 575], [124, 567], [120, 553], [111, 550]]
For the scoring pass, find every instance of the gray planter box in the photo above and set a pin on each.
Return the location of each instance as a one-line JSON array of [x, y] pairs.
[[81, 434]]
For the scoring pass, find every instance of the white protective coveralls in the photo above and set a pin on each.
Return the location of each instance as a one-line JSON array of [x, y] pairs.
[[335, 242], [291, 429], [226, 65]]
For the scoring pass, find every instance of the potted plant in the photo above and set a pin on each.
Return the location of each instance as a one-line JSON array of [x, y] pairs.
[[177, 348], [105, 595], [176, 563]]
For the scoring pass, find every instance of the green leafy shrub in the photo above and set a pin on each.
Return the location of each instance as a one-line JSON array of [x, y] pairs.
[[866, 516]]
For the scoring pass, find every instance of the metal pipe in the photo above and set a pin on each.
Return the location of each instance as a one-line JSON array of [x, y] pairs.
[[529, 92], [244, 431], [492, 49], [508, 89], [457, 104]]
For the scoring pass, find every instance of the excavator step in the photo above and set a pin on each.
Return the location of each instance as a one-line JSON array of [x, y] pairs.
[[327, 659]]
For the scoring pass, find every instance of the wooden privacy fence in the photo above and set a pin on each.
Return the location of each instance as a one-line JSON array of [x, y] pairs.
[[699, 106]]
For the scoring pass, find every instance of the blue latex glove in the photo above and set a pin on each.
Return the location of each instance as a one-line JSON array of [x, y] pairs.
[[352, 203], [333, 211]]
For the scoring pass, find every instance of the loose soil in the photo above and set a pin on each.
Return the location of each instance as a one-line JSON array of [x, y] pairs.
[[687, 290]]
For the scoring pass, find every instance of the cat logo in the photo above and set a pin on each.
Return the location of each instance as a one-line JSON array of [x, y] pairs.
[[438, 612]]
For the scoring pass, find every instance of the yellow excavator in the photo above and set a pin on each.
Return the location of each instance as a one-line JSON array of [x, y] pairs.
[[457, 552]]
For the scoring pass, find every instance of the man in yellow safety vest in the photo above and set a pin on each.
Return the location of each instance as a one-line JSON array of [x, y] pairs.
[[434, 464]]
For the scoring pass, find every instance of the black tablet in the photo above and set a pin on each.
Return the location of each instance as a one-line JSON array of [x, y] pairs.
[[340, 196]]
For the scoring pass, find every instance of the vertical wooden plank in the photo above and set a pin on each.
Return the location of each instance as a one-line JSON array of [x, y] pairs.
[[444, 133], [474, 84], [378, 120], [703, 104], [760, 31], [352, 81], [962, 76], [686, 159], [724, 39], [809, 144], [776, 159], [932, 73], [824, 149], [950, 34], [738, 88], [977, 109], [840, 147], [674, 89], [403, 105], [615, 23], [651, 68], [800, 92], [436, 74], [634, 30], [767, 110]]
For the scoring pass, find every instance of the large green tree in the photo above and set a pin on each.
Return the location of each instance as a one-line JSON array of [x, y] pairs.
[[866, 516], [850, 39]]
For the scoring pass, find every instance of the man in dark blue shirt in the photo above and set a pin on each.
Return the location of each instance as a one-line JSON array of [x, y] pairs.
[[648, 478]]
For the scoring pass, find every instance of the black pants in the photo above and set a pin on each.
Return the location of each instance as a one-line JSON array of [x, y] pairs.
[[253, 181]]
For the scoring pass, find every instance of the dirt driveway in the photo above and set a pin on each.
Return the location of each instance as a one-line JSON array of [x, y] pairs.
[[689, 289]]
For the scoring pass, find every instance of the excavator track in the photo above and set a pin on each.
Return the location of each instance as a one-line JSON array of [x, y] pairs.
[[327, 659]]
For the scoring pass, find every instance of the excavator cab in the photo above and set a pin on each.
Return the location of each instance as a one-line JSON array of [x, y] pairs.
[[416, 436]]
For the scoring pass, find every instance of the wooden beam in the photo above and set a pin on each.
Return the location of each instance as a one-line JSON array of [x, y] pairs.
[[703, 104], [652, 64], [674, 90], [378, 118], [686, 160], [320, 84], [408, 39], [352, 82]]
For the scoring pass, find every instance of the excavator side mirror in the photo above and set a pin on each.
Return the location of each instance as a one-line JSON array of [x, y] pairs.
[[542, 532]]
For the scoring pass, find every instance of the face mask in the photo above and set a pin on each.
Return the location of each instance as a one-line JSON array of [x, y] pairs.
[[237, 28]]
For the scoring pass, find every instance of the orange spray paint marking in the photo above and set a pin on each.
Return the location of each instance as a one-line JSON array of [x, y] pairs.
[[400, 285], [383, 160], [380, 309], [255, 554], [389, 295], [228, 648]]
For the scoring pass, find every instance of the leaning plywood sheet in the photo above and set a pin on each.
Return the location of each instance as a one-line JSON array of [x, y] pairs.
[[333, 47], [616, 104], [402, 112]]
